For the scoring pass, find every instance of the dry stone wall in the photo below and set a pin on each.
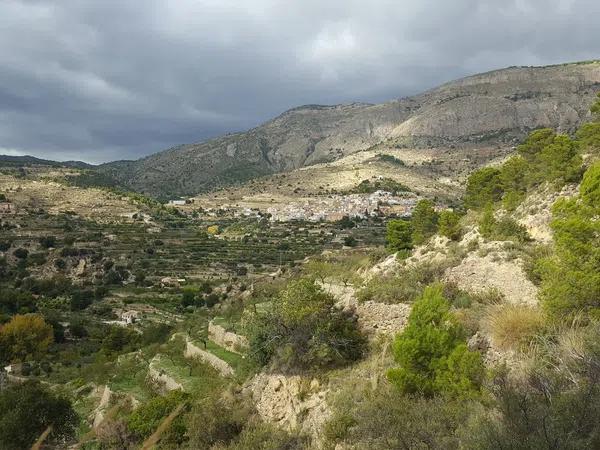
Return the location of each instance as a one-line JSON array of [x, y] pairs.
[[193, 351], [226, 339]]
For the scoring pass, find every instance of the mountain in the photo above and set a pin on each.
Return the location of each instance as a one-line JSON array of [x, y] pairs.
[[493, 108], [27, 161]]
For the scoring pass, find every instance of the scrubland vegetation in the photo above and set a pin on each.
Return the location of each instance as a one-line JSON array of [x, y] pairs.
[[244, 335]]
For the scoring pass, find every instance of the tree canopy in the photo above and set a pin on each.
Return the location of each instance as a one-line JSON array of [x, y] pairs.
[[571, 281], [25, 337], [399, 235], [27, 409], [424, 221]]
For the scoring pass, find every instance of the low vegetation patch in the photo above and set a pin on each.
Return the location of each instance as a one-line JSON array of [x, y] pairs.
[[383, 184], [403, 287], [514, 327]]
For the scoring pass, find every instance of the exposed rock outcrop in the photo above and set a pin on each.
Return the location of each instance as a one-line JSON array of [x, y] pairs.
[[479, 274], [374, 318], [535, 213], [290, 402], [98, 414], [382, 319]]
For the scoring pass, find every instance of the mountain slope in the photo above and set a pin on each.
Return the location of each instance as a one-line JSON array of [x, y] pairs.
[[497, 107]]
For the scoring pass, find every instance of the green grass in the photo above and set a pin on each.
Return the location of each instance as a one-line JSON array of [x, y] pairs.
[[202, 379], [131, 381], [221, 321], [233, 359]]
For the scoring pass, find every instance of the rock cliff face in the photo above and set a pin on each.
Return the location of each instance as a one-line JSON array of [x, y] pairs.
[[495, 108], [505, 102], [290, 402]]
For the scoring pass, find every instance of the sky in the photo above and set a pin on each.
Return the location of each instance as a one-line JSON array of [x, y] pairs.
[[100, 80]]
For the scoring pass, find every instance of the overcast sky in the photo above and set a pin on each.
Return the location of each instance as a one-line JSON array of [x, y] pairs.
[[98, 80]]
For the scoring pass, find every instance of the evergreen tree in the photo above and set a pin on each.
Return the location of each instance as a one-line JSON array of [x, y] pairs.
[[399, 235], [432, 353], [424, 221]]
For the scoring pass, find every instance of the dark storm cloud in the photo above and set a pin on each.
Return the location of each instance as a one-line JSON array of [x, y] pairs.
[[110, 79]]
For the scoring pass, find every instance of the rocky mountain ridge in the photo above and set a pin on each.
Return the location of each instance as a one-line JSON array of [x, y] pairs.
[[493, 109], [497, 107]]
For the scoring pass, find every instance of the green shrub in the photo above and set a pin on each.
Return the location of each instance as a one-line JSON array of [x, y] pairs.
[[304, 331], [535, 261], [595, 108], [589, 137], [48, 241], [26, 337], [390, 159], [27, 409], [514, 175], [543, 157], [156, 333], [590, 187], [37, 259], [457, 297], [215, 420], [487, 223], [385, 184], [502, 229], [350, 241], [147, 417], [81, 299], [555, 405], [550, 157], [21, 253], [384, 418], [404, 287], [512, 199], [432, 353], [119, 339], [267, 437], [535, 143], [560, 162], [509, 229]]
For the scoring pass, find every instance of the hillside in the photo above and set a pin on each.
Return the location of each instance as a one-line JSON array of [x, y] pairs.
[[492, 109], [136, 323]]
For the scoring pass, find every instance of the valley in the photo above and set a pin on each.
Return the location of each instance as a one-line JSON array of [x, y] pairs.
[[432, 284]]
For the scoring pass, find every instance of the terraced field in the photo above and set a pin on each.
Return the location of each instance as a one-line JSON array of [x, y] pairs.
[[182, 249]]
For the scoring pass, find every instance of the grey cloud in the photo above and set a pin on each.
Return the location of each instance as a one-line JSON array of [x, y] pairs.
[[98, 80]]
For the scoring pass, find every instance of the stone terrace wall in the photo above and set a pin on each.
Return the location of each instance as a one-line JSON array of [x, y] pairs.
[[193, 351], [226, 339]]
